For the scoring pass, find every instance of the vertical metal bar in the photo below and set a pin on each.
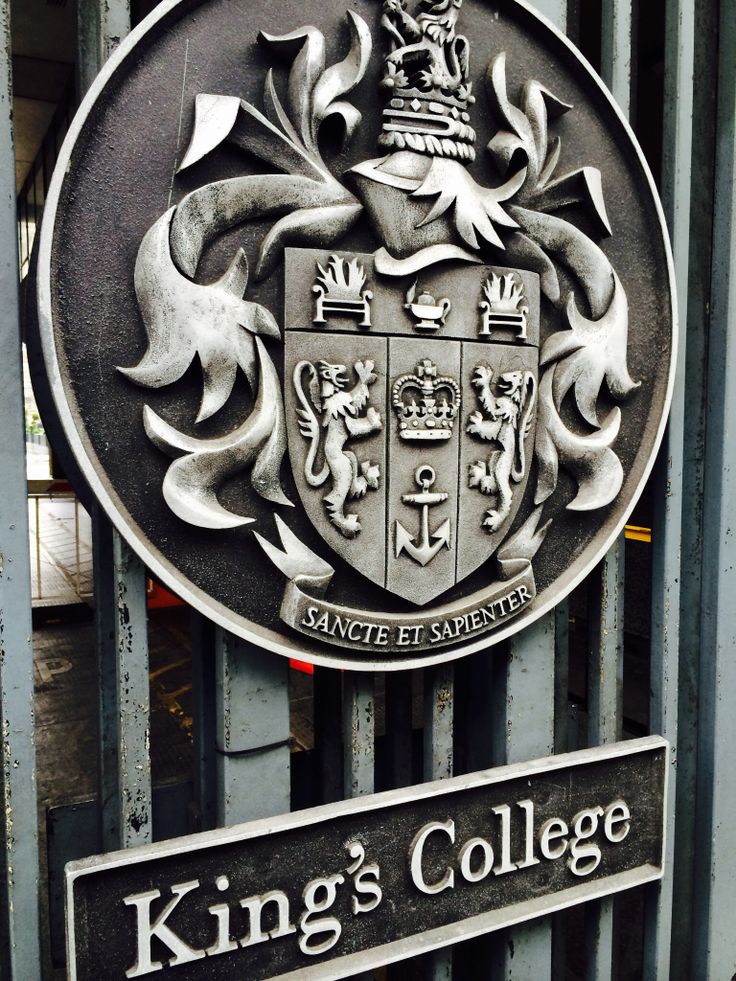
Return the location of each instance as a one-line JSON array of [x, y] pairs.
[[19, 926], [119, 577], [690, 50], [328, 732], [605, 612], [527, 950], [204, 728], [133, 698], [525, 727], [358, 741], [439, 706], [616, 50], [562, 676], [358, 720], [105, 630], [714, 936], [605, 662], [668, 477], [398, 729], [605, 688], [523, 730], [554, 10], [252, 720], [101, 26], [439, 710]]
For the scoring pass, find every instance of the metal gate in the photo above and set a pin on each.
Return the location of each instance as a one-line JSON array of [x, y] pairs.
[[514, 703]]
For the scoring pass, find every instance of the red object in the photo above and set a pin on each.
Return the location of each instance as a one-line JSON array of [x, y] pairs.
[[157, 597], [301, 666]]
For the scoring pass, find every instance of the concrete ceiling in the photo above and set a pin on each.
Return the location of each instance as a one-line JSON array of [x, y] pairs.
[[44, 51]]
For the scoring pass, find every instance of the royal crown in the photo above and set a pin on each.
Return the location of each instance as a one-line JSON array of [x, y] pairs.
[[426, 78], [426, 405]]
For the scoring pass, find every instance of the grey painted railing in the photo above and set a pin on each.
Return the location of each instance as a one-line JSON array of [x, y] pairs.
[[514, 703]]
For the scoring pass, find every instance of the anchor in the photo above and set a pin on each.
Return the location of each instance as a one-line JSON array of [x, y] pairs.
[[426, 550]]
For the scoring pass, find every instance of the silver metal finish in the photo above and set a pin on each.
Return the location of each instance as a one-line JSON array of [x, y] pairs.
[[19, 922], [675, 910], [186, 853], [584, 349]]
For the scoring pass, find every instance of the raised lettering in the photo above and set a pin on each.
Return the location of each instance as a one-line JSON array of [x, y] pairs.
[[254, 906], [617, 813], [527, 807], [309, 618], [585, 855], [550, 832], [319, 895], [416, 853], [381, 635], [146, 931], [221, 911], [505, 865], [466, 859], [359, 627]]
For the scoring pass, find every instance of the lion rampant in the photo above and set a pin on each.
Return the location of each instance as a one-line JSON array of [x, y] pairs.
[[427, 45], [508, 422], [340, 418]]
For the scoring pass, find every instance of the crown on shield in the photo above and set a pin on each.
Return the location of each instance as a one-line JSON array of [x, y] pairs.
[[426, 81], [426, 405]]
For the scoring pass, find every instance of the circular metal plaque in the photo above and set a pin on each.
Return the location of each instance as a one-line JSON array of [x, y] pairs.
[[359, 322]]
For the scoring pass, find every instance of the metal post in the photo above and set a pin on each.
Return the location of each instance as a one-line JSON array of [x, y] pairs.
[[439, 684], [133, 698], [527, 950], [688, 187], [359, 721], [669, 516], [398, 728], [554, 10], [605, 610], [605, 689], [252, 720], [105, 621], [714, 937], [19, 926], [204, 725], [119, 576], [328, 732], [524, 730]]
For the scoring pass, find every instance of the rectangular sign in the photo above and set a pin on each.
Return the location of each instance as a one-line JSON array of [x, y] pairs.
[[330, 891]]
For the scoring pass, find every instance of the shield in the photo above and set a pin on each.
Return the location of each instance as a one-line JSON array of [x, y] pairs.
[[410, 408]]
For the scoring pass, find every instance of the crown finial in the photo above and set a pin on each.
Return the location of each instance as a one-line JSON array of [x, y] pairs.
[[426, 78]]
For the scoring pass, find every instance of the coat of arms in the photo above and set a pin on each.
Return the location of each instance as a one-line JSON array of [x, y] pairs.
[[422, 396]]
